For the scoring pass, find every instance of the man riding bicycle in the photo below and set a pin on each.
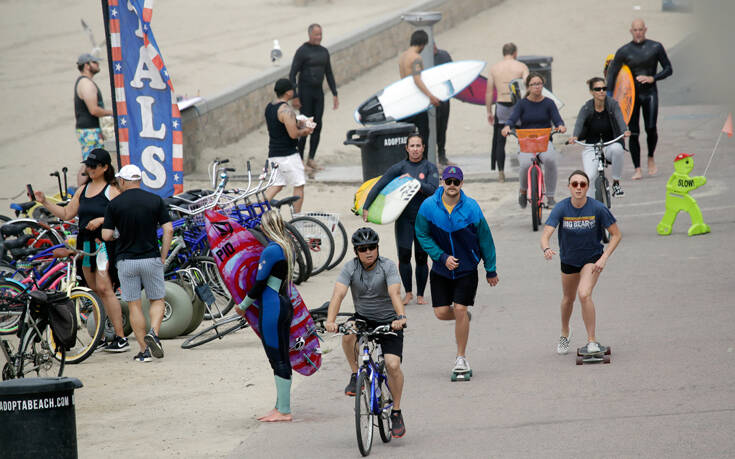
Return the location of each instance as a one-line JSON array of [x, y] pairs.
[[376, 294]]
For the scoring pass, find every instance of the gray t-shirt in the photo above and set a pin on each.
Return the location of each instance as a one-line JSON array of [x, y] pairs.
[[370, 288]]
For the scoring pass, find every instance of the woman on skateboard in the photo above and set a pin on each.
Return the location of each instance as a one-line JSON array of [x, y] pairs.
[[271, 290], [581, 223]]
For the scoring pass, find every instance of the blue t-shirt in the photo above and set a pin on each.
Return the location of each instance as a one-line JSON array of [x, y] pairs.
[[535, 115], [580, 230]]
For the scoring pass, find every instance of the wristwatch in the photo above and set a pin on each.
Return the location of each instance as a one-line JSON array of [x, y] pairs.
[[401, 317]]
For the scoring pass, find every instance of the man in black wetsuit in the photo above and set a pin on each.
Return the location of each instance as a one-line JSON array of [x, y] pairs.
[[642, 56], [442, 114], [311, 63]]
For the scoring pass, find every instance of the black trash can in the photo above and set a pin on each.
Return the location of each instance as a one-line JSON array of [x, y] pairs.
[[382, 146], [38, 418], [539, 64]]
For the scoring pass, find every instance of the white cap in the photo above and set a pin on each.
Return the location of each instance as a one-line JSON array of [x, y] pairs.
[[131, 173]]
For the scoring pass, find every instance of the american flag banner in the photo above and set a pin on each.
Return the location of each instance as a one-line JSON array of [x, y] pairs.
[[148, 120]]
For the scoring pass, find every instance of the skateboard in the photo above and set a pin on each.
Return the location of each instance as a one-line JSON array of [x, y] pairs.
[[593, 357], [461, 375]]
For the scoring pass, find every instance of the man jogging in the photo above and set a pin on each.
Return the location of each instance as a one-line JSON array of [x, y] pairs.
[[452, 229]]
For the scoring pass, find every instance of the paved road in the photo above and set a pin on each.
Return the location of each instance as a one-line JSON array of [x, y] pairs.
[[664, 304]]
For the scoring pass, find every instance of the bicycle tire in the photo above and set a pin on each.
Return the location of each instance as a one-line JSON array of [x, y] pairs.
[[602, 194], [212, 332], [302, 256], [223, 298], [10, 310], [385, 403], [535, 204], [363, 415], [319, 241], [90, 325], [41, 354]]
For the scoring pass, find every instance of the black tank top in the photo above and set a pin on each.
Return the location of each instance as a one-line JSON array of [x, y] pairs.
[[279, 143], [86, 120], [89, 209]]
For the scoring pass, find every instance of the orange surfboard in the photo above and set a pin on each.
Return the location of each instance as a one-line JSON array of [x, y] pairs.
[[624, 92]]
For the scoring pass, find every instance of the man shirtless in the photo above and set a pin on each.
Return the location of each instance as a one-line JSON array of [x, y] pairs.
[[410, 63], [499, 80]]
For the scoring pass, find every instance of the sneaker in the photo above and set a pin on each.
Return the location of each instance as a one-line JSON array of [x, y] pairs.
[[550, 202], [101, 345], [593, 347], [144, 356], [617, 190], [522, 201], [154, 344], [351, 387], [461, 364], [117, 344], [563, 346], [397, 427]]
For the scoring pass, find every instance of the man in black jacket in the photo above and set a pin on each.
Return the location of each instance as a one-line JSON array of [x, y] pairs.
[[312, 63]]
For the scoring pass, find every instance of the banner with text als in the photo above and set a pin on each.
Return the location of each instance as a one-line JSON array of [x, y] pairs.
[[148, 119]]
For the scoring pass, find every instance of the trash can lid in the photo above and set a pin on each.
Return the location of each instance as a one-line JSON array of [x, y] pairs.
[[38, 385], [536, 59], [385, 129]]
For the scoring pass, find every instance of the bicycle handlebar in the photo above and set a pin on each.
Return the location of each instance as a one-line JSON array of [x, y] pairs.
[[604, 144], [82, 252]]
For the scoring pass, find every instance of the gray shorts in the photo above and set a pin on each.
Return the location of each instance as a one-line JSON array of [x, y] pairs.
[[146, 271]]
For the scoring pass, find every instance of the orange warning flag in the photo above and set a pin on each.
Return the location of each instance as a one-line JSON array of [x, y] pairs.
[[727, 128]]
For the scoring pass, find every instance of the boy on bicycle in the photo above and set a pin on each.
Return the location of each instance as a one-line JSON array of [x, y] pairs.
[[376, 294]]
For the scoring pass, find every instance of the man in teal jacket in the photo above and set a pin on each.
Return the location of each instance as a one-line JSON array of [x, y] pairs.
[[451, 228]]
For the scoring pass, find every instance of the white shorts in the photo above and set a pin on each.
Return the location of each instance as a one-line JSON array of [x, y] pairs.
[[290, 170]]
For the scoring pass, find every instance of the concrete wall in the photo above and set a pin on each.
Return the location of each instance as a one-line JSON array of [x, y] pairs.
[[228, 117]]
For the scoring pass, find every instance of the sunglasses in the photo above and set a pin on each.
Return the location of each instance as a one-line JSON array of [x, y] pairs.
[[365, 248], [600, 88], [578, 184], [452, 182]]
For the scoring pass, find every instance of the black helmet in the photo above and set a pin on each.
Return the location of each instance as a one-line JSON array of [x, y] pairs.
[[364, 236]]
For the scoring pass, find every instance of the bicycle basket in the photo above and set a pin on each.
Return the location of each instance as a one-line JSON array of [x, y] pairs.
[[533, 140], [329, 219]]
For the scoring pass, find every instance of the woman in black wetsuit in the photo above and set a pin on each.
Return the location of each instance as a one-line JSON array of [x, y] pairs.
[[271, 290], [642, 56], [89, 203], [416, 166]]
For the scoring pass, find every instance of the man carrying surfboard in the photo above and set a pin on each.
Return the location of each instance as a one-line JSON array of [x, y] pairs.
[[416, 166], [283, 134], [498, 82], [642, 56], [411, 63], [452, 229], [376, 294]]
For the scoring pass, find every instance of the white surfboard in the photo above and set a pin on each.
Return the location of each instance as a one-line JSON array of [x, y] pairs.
[[403, 98], [518, 87]]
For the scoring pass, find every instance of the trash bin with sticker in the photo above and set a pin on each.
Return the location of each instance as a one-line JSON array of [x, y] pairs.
[[38, 418], [382, 146]]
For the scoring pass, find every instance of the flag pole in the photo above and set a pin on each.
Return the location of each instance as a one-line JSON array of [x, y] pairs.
[[713, 154], [106, 20]]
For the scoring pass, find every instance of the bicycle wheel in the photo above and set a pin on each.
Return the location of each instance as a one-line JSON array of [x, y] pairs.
[[303, 263], [10, 307], [535, 204], [39, 356], [386, 404], [338, 233], [218, 330], [319, 241], [90, 325], [223, 302], [363, 415], [602, 194]]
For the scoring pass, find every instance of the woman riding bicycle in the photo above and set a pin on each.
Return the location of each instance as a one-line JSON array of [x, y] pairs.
[[271, 289], [581, 221], [601, 118], [535, 111], [89, 203], [418, 167]]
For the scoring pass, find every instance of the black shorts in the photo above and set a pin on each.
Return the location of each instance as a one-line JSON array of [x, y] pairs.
[[570, 269], [390, 344], [445, 291]]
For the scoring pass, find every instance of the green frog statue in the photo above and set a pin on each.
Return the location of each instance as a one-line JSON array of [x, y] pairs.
[[678, 199]]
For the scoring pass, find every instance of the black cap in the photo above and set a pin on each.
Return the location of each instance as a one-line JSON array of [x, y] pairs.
[[96, 157], [283, 85]]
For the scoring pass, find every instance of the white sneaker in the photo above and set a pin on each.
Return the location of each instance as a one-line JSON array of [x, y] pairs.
[[461, 364], [563, 346], [593, 347]]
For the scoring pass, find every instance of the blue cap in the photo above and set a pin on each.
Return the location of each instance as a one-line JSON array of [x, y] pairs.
[[452, 172]]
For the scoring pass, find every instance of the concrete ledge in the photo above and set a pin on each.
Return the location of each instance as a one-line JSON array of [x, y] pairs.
[[227, 117]]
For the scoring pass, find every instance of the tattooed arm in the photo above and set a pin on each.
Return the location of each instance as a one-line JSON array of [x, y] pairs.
[[416, 67], [287, 116]]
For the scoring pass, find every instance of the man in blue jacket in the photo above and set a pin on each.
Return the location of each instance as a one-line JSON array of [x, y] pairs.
[[451, 228]]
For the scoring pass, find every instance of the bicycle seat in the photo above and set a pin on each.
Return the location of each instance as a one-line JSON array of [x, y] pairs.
[[13, 229], [18, 242], [320, 311], [285, 201], [23, 207], [24, 252], [62, 252], [174, 201]]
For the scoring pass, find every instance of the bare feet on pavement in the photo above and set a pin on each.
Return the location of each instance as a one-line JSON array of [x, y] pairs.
[[407, 299], [276, 416], [420, 300], [638, 175], [652, 169], [312, 164]]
